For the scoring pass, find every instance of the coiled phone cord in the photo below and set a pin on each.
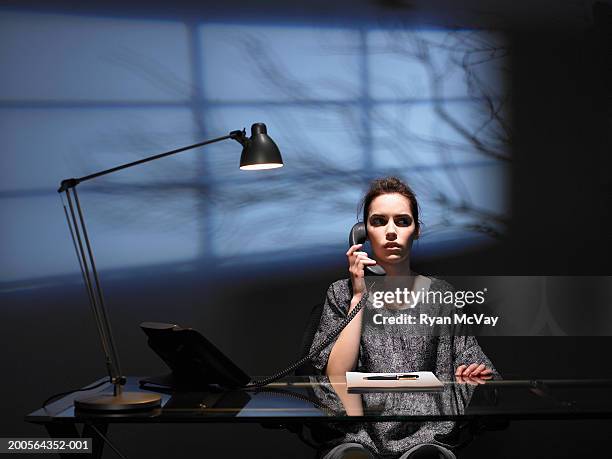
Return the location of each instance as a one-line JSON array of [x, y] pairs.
[[335, 332]]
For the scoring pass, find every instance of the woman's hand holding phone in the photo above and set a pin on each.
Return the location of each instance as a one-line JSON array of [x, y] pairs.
[[357, 261]]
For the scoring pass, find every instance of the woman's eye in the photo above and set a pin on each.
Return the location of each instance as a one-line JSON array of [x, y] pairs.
[[404, 221], [377, 221]]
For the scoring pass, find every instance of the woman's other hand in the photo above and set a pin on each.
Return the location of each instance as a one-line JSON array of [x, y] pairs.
[[474, 370], [357, 261]]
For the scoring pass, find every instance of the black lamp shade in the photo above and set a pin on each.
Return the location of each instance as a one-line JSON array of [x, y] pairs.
[[260, 151]]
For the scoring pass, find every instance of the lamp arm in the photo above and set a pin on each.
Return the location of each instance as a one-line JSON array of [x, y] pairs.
[[239, 136]]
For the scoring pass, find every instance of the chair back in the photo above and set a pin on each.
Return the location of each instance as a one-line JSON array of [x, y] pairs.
[[312, 325]]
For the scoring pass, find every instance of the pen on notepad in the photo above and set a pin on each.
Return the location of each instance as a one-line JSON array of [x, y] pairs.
[[391, 377]]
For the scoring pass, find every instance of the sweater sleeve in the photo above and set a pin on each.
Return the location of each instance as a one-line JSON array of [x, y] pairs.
[[334, 312]]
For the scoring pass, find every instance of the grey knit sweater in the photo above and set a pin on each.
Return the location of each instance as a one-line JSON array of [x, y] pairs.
[[396, 349]]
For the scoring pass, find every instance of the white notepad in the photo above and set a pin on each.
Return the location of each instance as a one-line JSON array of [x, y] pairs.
[[426, 381]]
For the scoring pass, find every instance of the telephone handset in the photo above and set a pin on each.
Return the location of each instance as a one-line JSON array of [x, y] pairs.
[[359, 235]]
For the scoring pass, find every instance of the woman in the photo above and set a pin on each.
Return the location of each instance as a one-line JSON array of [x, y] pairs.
[[390, 211]]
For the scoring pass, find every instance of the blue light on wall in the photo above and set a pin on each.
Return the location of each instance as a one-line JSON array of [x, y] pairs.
[[345, 104]]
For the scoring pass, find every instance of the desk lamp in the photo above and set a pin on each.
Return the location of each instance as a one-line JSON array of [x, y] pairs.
[[259, 152]]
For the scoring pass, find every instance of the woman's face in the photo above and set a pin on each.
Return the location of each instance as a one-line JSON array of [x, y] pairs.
[[391, 228]]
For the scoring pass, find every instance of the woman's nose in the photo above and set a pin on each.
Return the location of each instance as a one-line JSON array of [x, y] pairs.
[[391, 232]]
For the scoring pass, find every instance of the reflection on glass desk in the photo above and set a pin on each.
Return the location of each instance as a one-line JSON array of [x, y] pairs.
[[317, 399]]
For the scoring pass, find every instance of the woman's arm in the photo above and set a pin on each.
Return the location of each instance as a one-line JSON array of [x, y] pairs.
[[470, 361], [353, 405], [345, 353]]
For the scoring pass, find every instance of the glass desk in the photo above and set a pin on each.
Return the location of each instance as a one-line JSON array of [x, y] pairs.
[[307, 401]]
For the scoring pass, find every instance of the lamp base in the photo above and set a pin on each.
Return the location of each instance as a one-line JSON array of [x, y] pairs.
[[125, 401]]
